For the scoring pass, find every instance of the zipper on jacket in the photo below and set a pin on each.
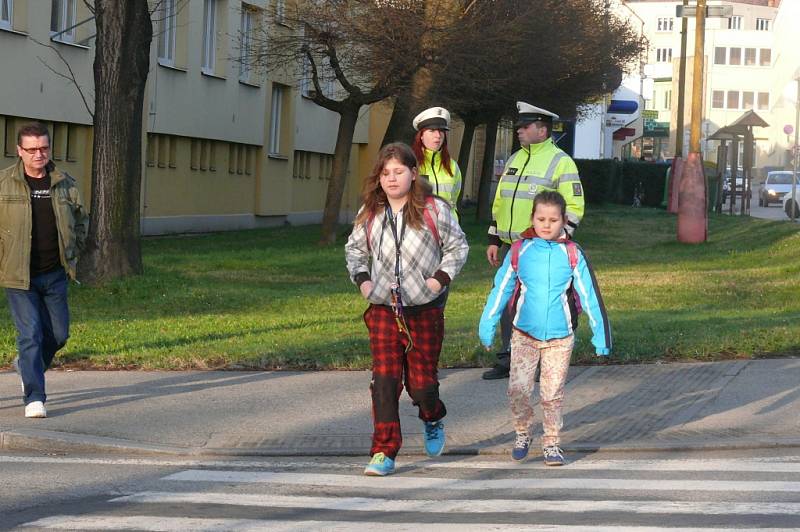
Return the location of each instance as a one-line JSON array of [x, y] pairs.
[[433, 170], [514, 197]]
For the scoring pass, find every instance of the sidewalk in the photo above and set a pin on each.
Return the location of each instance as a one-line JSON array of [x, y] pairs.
[[753, 403]]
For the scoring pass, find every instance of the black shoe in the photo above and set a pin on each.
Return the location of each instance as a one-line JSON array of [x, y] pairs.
[[499, 371]]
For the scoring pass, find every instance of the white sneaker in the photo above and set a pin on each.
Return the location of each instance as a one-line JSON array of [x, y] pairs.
[[35, 409]]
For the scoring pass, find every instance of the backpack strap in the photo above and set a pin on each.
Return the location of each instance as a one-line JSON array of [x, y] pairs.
[[429, 201], [572, 252], [515, 247]]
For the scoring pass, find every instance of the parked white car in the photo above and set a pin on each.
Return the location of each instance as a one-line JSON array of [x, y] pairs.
[[776, 185], [787, 204]]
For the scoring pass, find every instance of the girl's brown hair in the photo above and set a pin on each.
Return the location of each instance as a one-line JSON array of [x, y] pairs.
[[550, 197], [374, 198], [419, 153]]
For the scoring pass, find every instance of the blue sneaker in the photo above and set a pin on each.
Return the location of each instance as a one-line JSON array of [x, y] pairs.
[[379, 466], [521, 447], [434, 438], [553, 455]]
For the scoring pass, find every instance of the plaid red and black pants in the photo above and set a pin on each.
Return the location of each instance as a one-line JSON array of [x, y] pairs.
[[392, 367]]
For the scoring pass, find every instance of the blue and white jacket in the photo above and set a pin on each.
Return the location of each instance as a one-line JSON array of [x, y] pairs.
[[543, 309]]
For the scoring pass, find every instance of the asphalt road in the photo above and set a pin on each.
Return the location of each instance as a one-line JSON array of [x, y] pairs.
[[773, 212], [757, 489]]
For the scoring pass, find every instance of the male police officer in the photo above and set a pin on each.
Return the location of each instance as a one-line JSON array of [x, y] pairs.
[[539, 165], [42, 227]]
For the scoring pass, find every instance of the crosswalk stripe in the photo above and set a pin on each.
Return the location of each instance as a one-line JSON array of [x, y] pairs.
[[176, 524], [411, 483], [788, 464], [468, 506]]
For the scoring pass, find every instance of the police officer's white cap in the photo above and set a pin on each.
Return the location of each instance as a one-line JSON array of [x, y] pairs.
[[530, 113], [433, 118]]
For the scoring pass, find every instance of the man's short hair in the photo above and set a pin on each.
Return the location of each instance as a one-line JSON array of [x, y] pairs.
[[548, 125], [32, 129]]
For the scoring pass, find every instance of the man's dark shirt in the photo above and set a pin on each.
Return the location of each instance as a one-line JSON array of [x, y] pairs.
[[44, 234]]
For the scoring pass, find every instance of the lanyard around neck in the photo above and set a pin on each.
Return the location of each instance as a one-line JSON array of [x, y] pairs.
[[397, 241]]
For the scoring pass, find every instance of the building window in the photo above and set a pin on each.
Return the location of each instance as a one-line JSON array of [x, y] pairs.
[[665, 24], [668, 99], [166, 39], [749, 56], [747, 100], [733, 100], [663, 55], [765, 58], [62, 20], [735, 23], [718, 99], [209, 36], [763, 101], [6, 14], [720, 54], [735, 57], [275, 120], [246, 42], [762, 24]]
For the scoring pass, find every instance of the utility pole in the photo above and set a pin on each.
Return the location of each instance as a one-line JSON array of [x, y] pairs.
[[796, 152], [677, 162], [692, 215]]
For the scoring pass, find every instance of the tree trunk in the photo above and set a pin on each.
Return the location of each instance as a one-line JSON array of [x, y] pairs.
[[121, 65], [463, 152], [341, 160], [487, 173], [400, 128]]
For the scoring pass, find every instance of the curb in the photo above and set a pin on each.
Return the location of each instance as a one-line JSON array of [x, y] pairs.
[[53, 441]]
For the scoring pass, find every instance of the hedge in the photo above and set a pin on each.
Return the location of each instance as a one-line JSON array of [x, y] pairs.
[[606, 180]]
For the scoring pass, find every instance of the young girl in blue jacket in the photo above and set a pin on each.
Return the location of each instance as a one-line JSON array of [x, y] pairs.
[[544, 266]]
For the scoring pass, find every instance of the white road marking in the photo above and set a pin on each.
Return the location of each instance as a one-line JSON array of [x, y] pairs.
[[787, 464], [180, 524], [415, 483], [469, 506]]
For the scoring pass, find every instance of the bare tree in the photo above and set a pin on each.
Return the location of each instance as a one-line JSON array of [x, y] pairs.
[[369, 50], [121, 64]]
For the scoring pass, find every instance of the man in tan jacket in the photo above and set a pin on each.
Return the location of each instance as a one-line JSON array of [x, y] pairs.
[[43, 227]]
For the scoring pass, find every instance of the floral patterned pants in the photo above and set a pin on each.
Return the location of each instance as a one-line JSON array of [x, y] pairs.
[[553, 358]]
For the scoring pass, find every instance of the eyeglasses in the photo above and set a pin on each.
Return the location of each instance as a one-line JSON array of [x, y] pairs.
[[32, 151]]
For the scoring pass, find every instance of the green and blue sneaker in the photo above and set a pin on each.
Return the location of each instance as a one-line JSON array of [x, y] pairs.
[[434, 438], [379, 466]]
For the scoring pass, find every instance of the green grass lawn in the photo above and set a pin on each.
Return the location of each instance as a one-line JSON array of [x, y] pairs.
[[274, 299]]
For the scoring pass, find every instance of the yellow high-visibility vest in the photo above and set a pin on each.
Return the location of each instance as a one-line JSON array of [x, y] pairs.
[[446, 186], [530, 170]]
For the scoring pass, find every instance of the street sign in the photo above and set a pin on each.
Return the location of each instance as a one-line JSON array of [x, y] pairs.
[[711, 11]]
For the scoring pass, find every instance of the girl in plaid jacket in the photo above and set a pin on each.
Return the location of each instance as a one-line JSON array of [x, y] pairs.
[[405, 248]]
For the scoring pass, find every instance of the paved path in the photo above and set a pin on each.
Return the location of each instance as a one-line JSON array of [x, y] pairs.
[[734, 404]]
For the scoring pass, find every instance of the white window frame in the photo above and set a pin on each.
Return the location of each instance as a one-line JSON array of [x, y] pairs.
[[245, 41], [275, 120], [663, 55], [665, 24], [209, 58], [668, 99], [167, 29], [757, 103], [735, 22], [762, 24], [67, 13], [7, 21], [722, 99]]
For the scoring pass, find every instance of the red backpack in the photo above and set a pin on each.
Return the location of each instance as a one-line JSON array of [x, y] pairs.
[[426, 214], [572, 296]]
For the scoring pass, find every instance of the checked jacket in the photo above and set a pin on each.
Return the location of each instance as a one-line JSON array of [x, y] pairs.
[[421, 256]]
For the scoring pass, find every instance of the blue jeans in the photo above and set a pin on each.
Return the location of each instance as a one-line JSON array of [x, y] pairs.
[[41, 316]]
